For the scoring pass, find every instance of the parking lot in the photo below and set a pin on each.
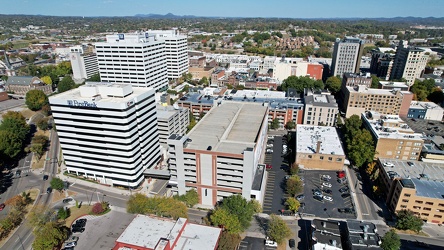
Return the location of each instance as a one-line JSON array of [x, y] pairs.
[[429, 127], [332, 200]]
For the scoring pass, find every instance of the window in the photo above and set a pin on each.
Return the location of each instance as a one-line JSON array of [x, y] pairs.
[[321, 157], [408, 195], [416, 207], [330, 158], [427, 209], [437, 216], [419, 202], [404, 200], [429, 203], [403, 206]]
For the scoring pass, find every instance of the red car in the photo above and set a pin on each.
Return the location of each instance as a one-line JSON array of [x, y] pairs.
[[268, 166], [341, 174], [2, 206]]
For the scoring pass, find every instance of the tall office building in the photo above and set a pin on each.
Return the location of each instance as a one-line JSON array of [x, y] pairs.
[[137, 59], [176, 50], [346, 56], [84, 65], [409, 63], [108, 132]]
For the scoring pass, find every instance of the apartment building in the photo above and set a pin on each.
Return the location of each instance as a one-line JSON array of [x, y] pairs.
[[171, 120], [107, 132], [409, 63], [352, 79], [320, 109], [393, 137], [84, 65], [318, 147], [425, 111], [281, 106], [382, 62], [414, 185], [347, 55], [360, 99], [176, 51], [221, 155], [137, 59]]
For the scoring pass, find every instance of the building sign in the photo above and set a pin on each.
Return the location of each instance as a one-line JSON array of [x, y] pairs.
[[147, 35], [128, 104], [121, 36], [75, 103]]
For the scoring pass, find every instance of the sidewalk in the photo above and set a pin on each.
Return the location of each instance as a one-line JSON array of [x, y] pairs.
[[355, 198]]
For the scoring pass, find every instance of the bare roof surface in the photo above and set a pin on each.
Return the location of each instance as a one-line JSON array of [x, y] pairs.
[[230, 128], [308, 136]]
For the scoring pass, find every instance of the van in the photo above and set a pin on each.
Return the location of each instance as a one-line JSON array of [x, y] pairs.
[[270, 243]]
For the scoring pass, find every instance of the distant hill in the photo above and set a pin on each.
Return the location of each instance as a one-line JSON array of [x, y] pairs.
[[166, 16]]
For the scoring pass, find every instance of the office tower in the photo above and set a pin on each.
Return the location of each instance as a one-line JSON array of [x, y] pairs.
[[84, 65], [409, 63], [346, 56]]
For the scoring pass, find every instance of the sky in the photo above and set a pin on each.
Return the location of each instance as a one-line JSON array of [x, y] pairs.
[[229, 8]]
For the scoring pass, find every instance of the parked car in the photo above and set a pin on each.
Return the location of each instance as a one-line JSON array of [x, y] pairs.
[[18, 173], [80, 222], [326, 184], [292, 243], [78, 230], [328, 198], [318, 198], [317, 192], [345, 195], [72, 238], [300, 197], [70, 244], [2, 206], [388, 164], [67, 200], [45, 177], [302, 205], [326, 176], [341, 174], [344, 189], [346, 210], [411, 164], [268, 166], [270, 243], [49, 190], [327, 191], [342, 180]]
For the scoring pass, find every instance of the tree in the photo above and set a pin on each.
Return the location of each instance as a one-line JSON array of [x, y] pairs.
[[13, 133], [436, 96], [300, 83], [293, 185], [39, 216], [352, 126], [294, 169], [407, 220], [204, 81], [57, 184], [257, 207], [38, 150], [49, 236], [46, 79], [137, 204], [36, 99], [159, 206], [94, 78], [274, 123], [228, 241], [290, 125], [293, 204], [240, 207], [46, 110], [375, 82], [63, 213], [228, 221], [333, 84], [278, 230], [43, 124], [391, 241], [191, 197], [422, 89], [65, 84], [361, 148]]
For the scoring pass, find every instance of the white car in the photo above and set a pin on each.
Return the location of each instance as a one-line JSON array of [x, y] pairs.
[[270, 243], [388, 164], [270, 145], [328, 198], [326, 184], [70, 244], [326, 176]]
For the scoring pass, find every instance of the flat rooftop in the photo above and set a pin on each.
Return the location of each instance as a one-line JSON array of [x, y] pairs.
[[321, 100], [166, 112], [371, 91], [394, 84], [424, 105], [389, 127], [146, 231], [307, 137], [231, 127], [428, 178]]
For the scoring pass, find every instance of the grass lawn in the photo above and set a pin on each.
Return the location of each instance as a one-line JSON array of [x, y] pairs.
[[27, 113], [76, 213], [421, 233]]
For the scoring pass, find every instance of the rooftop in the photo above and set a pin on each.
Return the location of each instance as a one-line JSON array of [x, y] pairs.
[[231, 127], [389, 127], [428, 178], [327, 234], [146, 231], [424, 105], [390, 84], [166, 112], [308, 136], [321, 100], [371, 91]]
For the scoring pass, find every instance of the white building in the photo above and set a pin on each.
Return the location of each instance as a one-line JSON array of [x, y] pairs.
[[409, 63], [137, 59], [83, 65], [172, 120], [221, 155], [346, 56], [320, 108], [176, 50], [426, 111], [108, 132]]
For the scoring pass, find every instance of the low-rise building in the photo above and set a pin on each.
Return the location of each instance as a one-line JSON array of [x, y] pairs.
[[325, 235], [320, 108], [393, 85], [319, 147], [362, 235], [414, 185], [221, 155], [359, 99], [425, 111], [352, 79], [392, 136], [20, 85], [154, 233], [171, 120]]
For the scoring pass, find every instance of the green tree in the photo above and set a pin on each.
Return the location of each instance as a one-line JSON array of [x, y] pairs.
[[13, 132], [204, 81], [57, 184], [375, 82], [257, 207], [228, 241], [391, 241], [274, 124], [49, 236], [351, 126], [422, 89], [65, 84], [137, 204], [361, 148], [293, 185], [333, 84], [36, 99], [43, 123], [294, 169], [63, 213], [94, 78], [39, 216], [300, 83], [407, 220], [290, 125], [240, 207], [191, 197], [46, 79], [278, 230], [293, 204], [228, 221]]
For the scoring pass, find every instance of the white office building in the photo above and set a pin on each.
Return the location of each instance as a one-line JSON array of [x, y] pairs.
[[108, 132], [137, 59], [346, 56], [172, 120], [176, 50], [83, 65]]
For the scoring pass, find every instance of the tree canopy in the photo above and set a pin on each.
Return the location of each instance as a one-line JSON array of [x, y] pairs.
[[240, 207], [407, 220], [190, 198], [66, 84], [293, 185], [359, 142], [49, 236], [13, 133], [391, 241], [57, 183], [278, 230], [333, 84], [159, 206], [36, 99], [221, 217], [300, 83], [422, 89]]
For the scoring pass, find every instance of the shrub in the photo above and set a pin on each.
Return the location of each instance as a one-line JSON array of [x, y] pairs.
[[97, 208]]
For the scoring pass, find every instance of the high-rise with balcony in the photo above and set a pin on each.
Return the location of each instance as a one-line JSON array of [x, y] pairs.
[[108, 132], [346, 56], [138, 59], [409, 63]]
